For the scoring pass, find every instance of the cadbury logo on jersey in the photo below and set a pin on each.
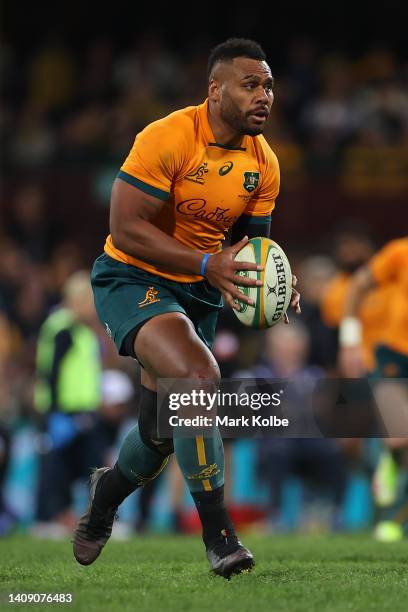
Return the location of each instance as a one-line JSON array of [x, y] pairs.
[[198, 175], [197, 209]]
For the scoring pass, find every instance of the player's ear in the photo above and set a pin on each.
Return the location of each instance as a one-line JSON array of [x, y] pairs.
[[213, 90]]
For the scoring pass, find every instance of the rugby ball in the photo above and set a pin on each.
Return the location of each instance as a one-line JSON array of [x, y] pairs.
[[272, 300]]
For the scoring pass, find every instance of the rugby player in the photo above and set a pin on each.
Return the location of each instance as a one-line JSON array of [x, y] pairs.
[[388, 268], [189, 178], [353, 249]]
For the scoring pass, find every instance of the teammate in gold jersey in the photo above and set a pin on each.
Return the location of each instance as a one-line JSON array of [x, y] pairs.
[[388, 269], [189, 178]]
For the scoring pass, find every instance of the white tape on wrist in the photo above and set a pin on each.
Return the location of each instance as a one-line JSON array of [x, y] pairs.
[[350, 332]]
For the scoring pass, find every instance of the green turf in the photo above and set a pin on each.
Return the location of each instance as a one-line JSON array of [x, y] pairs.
[[170, 573]]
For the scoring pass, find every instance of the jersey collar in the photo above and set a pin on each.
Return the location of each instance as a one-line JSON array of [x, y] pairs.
[[207, 131]]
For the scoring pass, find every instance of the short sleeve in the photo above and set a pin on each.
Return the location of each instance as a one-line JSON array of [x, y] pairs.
[[264, 202], [155, 159], [388, 263]]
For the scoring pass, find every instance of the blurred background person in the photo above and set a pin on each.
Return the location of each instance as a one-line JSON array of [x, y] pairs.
[[353, 247], [68, 398], [117, 408], [316, 275], [7, 518], [31, 223], [387, 269], [318, 462]]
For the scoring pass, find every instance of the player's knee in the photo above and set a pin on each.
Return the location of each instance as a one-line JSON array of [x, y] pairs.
[[205, 374], [205, 378]]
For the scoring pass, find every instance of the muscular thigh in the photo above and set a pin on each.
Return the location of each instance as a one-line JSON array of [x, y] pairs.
[[169, 347]]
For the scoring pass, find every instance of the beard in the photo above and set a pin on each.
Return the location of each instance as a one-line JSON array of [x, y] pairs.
[[236, 119]]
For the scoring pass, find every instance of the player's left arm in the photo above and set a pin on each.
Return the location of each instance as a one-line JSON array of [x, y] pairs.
[[251, 226], [256, 219]]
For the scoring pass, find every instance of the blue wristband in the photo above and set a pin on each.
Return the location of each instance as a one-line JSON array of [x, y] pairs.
[[204, 263]]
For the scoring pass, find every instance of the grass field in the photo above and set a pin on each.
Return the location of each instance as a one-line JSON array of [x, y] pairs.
[[293, 573]]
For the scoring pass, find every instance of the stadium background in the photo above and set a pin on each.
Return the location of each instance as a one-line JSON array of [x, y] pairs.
[[78, 84]]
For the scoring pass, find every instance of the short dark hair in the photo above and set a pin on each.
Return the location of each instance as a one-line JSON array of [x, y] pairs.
[[235, 47]]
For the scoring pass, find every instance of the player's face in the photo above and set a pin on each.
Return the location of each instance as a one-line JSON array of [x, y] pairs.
[[246, 95]]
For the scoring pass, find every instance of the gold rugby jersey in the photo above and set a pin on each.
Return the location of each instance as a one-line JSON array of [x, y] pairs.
[[206, 186]]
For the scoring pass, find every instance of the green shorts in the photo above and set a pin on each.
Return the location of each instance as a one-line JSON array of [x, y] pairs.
[[126, 297], [390, 363]]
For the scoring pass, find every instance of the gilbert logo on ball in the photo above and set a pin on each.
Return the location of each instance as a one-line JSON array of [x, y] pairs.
[[272, 300]]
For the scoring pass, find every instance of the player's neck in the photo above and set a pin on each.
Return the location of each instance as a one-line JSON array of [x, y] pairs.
[[223, 133]]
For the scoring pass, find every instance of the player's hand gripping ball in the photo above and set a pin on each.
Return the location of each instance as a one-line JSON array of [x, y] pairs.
[[272, 300]]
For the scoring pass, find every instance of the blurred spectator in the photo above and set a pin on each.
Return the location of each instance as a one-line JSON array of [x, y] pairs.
[[7, 518], [332, 112], [51, 75], [5, 345], [84, 133], [300, 80], [25, 298], [34, 142], [30, 222], [329, 120], [317, 461], [65, 260], [373, 167], [13, 268], [68, 396], [98, 70], [31, 303], [118, 395], [315, 274]]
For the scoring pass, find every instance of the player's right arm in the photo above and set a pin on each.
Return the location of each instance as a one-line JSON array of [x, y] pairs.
[[131, 215], [132, 231]]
